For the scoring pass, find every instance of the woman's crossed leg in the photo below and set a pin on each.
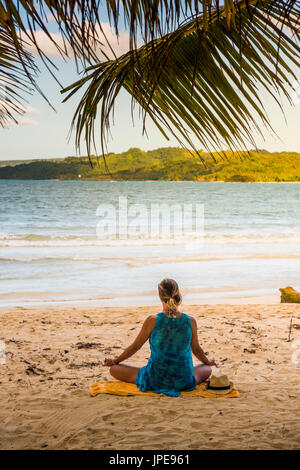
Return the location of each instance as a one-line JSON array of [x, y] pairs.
[[124, 372], [201, 373], [128, 373]]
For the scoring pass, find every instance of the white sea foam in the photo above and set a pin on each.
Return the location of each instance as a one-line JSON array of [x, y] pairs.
[[49, 247], [34, 240]]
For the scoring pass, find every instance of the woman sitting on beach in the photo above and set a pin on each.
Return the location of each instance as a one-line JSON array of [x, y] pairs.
[[173, 338]]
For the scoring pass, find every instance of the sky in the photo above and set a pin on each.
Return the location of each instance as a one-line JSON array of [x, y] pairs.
[[43, 133]]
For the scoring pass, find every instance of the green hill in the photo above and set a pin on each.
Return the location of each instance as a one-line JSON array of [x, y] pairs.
[[166, 164], [19, 162]]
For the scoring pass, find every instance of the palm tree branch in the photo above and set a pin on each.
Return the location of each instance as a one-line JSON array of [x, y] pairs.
[[214, 99]]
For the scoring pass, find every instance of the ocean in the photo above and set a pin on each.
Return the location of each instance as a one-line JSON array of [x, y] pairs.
[[110, 243]]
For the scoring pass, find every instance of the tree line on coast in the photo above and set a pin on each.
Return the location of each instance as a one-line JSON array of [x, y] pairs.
[[165, 164]]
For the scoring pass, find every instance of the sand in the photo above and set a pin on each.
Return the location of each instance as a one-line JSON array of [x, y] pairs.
[[53, 354]]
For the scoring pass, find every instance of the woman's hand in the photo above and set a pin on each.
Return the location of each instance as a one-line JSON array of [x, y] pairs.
[[108, 362], [213, 363]]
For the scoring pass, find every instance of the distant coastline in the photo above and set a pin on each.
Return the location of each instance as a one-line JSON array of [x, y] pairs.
[[164, 164], [152, 181]]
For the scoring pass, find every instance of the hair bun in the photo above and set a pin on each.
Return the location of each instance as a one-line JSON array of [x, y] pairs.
[[169, 293]]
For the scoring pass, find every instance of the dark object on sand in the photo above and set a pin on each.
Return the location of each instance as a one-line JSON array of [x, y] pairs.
[[290, 329], [88, 345], [290, 295]]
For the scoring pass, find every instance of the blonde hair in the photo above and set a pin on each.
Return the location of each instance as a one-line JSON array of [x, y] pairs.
[[169, 293]]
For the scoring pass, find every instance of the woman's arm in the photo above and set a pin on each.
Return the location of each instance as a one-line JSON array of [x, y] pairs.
[[141, 338], [196, 348]]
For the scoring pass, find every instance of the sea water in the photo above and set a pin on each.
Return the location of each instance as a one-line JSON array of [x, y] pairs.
[[51, 249]]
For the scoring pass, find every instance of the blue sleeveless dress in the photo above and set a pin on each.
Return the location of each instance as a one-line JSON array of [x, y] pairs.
[[170, 367]]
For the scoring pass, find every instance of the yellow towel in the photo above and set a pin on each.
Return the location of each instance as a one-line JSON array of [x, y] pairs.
[[116, 387]]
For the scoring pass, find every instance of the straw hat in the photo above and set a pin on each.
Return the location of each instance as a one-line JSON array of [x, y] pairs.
[[219, 384]]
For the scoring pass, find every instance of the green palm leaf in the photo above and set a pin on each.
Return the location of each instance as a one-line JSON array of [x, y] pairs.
[[79, 24], [13, 81], [195, 80], [19, 22], [202, 82]]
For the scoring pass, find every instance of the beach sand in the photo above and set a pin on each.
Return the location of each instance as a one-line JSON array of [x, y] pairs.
[[53, 354]]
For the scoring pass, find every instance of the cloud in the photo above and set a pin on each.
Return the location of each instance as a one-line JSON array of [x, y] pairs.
[[48, 46], [106, 35], [119, 44], [29, 109], [24, 120], [50, 17]]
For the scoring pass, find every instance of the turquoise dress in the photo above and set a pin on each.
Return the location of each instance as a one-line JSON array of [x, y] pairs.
[[170, 367]]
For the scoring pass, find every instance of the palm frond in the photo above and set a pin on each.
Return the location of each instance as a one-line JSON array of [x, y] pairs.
[[200, 83], [79, 25], [142, 72], [13, 81]]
